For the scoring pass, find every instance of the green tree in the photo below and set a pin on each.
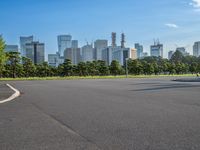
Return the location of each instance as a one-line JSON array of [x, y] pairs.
[[3, 57], [177, 57], [28, 67], [67, 67], [115, 68], [82, 69], [13, 61]]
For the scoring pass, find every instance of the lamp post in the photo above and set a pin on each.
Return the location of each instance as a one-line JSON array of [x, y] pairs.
[[127, 67]]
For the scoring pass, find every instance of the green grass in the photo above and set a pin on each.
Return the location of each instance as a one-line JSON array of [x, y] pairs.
[[93, 77]]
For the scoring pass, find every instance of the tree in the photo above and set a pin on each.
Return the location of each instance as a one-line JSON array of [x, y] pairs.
[[115, 68], [177, 57], [82, 69], [13, 61], [28, 67], [3, 57], [67, 67]]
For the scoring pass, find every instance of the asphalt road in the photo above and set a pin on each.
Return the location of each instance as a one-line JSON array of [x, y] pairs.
[[121, 114], [5, 91]]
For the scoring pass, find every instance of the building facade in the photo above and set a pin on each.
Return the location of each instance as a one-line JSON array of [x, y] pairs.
[[87, 53], [11, 48], [23, 41], [139, 49], [170, 54], [64, 41], [35, 51], [74, 54], [196, 49], [133, 53], [99, 45], [121, 54], [157, 50]]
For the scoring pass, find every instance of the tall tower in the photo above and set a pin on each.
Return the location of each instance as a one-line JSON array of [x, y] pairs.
[[114, 35], [123, 40]]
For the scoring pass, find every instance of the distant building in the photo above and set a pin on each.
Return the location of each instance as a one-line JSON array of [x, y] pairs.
[[145, 54], [99, 45], [133, 53], [196, 49], [107, 55], [139, 49], [114, 37], [87, 53], [74, 54], [23, 41], [157, 50], [64, 41], [35, 51], [121, 54], [74, 44], [11, 48], [181, 49], [170, 54]]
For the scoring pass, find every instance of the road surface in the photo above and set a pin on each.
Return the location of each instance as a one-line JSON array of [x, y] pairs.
[[121, 114]]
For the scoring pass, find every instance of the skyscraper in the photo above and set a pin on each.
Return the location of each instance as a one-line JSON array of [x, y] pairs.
[[74, 54], [157, 49], [87, 53], [170, 54], [114, 36], [23, 41], [11, 48], [139, 49], [35, 51], [64, 41], [123, 40], [99, 45], [74, 44], [196, 49], [121, 54]]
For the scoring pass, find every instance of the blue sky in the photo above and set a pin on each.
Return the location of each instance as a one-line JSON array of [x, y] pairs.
[[174, 22]]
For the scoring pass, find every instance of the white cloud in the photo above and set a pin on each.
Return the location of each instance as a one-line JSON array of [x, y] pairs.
[[171, 25], [195, 4]]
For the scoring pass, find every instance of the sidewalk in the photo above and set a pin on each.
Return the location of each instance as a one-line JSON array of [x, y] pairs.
[[5, 91]]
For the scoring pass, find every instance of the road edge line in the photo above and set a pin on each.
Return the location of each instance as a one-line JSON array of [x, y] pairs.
[[12, 97]]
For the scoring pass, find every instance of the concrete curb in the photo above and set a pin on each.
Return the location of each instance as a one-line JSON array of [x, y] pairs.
[[12, 97]]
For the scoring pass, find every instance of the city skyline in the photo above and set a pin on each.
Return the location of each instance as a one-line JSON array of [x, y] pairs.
[[179, 27]]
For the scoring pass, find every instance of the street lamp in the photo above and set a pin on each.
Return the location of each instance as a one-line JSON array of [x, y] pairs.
[[127, 67]]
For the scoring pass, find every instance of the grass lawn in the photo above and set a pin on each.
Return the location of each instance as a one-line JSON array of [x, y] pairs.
[[94, 77]]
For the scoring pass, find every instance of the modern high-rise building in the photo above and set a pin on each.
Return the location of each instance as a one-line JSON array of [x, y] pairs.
[[170, 54], [114, 37], [35, 51], [74, 44], [181, 49], [157, 49], [139, 49], [99, 45], [87, 53], [74, 54], [107, 55], [64, 41], [123, 40], [121, 54], [196, 49], [133, 53], [23, 41], [11, 48]]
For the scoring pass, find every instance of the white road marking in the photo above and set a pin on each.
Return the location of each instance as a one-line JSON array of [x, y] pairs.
[[12, 97]]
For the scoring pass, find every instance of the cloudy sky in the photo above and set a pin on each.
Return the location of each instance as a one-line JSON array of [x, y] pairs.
[[173, 22]]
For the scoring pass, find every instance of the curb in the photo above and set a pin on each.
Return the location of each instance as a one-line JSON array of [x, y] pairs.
[[12, 97]]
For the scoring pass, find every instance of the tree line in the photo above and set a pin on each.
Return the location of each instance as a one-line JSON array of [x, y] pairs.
[[12, 66]]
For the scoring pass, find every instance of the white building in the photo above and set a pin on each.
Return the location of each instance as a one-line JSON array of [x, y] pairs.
[[11, 48], [73, 54], [87, 53], [64, 41], [23, 41], [157, 50], [99, 45], [196, 49]]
